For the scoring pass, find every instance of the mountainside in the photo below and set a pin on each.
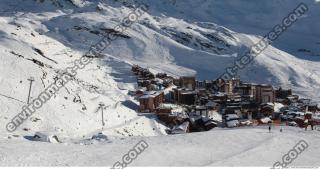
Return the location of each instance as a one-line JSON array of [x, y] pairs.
[[241, 16], [41, 38]]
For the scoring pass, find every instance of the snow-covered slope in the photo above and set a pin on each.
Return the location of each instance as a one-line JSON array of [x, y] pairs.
[[74, 109], [186, 43], [254, 17], [41, 38], [218, 147]]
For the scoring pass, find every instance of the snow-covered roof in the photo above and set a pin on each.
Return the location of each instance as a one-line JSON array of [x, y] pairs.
[[173, 107], [211, 104], [233, 123], [182, 128], [158, 80], [220, 94], [265, 120], [201, 108], [182, 114], [316, 116], [270, 104], [231, 116], [143, 89], [215, 116], [296, 113], [277, 107], [150, 94], [188, 92], [168, 89], [308, 112]]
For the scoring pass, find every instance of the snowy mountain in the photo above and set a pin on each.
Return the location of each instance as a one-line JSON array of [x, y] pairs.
[[40, 38]]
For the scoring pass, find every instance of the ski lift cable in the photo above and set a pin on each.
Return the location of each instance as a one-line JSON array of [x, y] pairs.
[[12, 98]]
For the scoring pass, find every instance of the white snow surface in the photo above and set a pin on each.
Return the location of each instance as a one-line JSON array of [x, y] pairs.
[[169, 38], [219, 147]]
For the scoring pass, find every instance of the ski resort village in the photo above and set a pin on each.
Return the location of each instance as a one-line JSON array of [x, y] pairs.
[[187, 105]]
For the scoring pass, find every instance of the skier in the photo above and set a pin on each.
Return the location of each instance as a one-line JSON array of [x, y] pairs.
[[312, 124], [269, 128], [281, 129], [306, 124]]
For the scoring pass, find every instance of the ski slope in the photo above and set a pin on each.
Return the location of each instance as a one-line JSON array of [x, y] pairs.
[[218, 147]]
